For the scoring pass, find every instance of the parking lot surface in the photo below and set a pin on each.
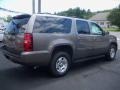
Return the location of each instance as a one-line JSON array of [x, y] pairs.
[[91, 75]]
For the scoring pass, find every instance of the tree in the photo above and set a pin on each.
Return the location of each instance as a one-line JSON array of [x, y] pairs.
[[8, 19], [114, 16], [76, 12]]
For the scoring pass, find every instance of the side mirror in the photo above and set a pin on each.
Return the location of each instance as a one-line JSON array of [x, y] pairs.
[[105, 33]]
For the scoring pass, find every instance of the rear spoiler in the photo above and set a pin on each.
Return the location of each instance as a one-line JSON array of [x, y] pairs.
[[22, 16]]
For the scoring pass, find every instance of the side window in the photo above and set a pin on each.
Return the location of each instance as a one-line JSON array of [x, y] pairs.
[[44, 24], [82, 27], [95, 29]]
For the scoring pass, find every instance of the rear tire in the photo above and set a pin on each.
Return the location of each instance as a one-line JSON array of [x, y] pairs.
[[60, 64], [111, 54]]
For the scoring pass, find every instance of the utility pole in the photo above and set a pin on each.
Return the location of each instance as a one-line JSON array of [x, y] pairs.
[[33, 6], [39, 6]]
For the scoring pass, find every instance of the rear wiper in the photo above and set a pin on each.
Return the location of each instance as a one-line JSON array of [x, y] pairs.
[[14, 23]]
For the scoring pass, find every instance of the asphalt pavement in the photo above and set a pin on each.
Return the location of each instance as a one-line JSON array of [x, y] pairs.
[[91, 75]]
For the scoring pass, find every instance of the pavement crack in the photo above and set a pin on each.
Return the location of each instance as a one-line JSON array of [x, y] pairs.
[[109, 70], [85, 75]]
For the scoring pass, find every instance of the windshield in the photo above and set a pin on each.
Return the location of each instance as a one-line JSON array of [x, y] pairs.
[[16, 25]]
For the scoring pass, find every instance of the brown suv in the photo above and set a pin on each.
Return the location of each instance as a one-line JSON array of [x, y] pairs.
[[56, 41]]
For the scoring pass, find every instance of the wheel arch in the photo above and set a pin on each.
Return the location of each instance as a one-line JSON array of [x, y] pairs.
[[64, 47], [114, 43]]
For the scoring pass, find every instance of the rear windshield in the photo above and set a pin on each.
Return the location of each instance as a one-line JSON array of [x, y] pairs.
[[16, 24]]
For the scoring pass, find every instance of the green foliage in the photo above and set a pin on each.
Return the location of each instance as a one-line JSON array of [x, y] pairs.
[[8, 19], [104, 11], [76, 12], [114, 16]]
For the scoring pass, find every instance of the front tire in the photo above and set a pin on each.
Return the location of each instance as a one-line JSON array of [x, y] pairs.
[[111, 54], [60, 64]]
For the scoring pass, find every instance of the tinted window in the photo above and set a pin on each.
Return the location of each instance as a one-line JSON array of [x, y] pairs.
[[82, 27], [95, 29], [15, 25], [52, 25]]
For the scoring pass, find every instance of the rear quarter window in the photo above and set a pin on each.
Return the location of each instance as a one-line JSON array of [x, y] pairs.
[[44, 24]]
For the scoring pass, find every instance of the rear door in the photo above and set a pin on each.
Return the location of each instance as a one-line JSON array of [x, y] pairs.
[[14, 33], [85, 41]]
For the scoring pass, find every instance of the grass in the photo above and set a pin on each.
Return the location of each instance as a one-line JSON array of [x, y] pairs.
[[112, 29]]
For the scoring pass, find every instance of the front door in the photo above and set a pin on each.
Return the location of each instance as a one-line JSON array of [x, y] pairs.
[[101, 41]]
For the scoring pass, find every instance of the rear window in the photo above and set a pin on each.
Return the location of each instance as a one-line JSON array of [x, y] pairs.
[[82, 27], [44, 24], [15, 25]]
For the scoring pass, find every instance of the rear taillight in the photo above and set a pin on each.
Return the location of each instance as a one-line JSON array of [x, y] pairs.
[[28, 42]]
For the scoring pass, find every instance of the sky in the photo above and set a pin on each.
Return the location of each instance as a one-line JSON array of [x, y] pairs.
[[52, 6]]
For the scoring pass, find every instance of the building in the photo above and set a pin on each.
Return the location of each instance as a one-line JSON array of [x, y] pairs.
[[101, 19]]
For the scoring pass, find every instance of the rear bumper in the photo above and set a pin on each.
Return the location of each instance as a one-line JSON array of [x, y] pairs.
[[41, 58]]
